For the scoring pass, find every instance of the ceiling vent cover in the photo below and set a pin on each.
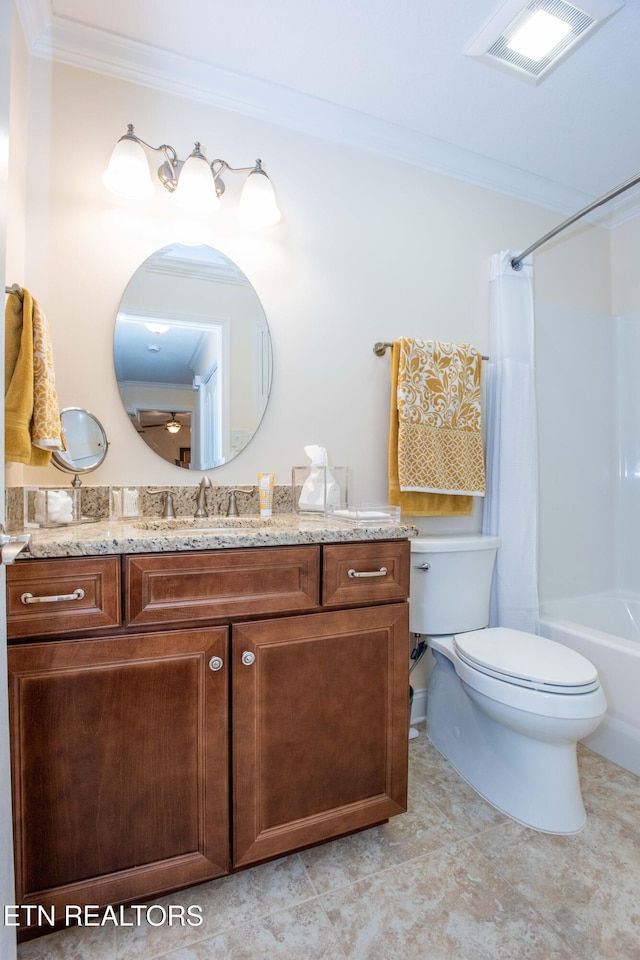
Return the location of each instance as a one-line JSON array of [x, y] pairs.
[[493, 43]]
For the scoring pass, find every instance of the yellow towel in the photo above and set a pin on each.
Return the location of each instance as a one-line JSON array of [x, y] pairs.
[[439, 412], [416, 502], [29, 384], [46, 428]]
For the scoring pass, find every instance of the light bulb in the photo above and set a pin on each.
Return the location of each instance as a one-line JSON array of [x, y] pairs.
[[128, 172], [196, 190], [258, 207]]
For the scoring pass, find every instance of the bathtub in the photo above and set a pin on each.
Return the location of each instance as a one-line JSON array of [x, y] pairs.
[[606, 630]]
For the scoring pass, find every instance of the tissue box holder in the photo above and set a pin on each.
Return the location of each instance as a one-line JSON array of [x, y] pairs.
[[336, 475]]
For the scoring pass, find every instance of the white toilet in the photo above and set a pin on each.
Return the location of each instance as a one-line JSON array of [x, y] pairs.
[[506, 708]]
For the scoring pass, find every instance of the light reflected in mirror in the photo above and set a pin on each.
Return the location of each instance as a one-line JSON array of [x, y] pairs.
[[85, 440], [192, 356]]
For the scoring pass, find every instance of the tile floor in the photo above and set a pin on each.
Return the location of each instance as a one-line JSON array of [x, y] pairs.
[[452, 879]]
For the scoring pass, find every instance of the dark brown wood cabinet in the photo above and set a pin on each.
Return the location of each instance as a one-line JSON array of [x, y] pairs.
[[119, 765], [320, 727], [256, 705]]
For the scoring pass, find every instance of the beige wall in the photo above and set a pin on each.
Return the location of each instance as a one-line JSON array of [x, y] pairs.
[[369, 249]]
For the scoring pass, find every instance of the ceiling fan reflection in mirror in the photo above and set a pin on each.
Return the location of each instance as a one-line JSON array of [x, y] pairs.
[[171, 421]]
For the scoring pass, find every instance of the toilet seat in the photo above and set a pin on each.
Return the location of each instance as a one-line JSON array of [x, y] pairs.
[[525, 660]]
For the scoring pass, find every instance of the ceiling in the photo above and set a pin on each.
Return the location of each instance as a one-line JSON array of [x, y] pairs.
[[387, 77]]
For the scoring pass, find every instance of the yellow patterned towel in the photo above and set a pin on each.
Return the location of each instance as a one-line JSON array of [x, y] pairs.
[[410, 503], [46, 429], [32, 416], [439, 418]]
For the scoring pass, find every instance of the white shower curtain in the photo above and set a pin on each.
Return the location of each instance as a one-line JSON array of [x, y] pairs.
[[511, 502]]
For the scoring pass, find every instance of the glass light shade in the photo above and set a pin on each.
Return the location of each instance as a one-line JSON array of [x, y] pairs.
[[173, 426], [258, 207], [128, 172], [196, 190]]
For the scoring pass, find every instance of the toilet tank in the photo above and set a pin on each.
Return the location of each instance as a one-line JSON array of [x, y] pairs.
[[451, 583]]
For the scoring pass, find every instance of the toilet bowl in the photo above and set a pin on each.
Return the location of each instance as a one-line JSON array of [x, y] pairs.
[[505, 707]]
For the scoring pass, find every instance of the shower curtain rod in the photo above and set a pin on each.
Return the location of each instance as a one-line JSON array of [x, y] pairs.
[[516, 262]]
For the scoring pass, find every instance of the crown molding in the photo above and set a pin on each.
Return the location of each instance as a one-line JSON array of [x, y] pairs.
[[78, 45], [625, 210], [35, 18]]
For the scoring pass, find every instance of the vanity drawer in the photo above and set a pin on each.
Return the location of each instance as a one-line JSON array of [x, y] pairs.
[[191, 587], [88, 589], [354, 573]]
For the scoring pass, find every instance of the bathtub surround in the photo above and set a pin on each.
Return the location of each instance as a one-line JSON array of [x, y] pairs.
[[606, 630], [590, 510]]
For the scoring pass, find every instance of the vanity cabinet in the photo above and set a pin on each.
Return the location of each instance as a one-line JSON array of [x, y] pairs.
[[119, 766], [320, 727], [251, 702], [52, 598]]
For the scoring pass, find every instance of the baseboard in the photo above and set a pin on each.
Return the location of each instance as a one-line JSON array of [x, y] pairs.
[[614, 739]]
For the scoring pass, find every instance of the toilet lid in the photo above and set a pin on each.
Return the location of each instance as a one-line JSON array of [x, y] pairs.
[[527, 660]]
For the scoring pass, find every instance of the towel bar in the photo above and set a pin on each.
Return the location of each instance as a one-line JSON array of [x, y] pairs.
[[16, 288], [381, 348]]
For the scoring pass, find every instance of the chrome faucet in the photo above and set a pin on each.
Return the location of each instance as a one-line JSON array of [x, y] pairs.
[[201, 498]]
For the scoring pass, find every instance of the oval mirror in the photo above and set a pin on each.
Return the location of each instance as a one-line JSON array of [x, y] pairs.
[[86, 442], [192, 356]]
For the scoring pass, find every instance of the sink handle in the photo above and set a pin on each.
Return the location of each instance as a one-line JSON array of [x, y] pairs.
[[168, 512]]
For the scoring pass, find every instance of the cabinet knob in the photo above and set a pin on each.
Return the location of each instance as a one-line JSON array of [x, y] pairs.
[[248, 658], [216, 663]]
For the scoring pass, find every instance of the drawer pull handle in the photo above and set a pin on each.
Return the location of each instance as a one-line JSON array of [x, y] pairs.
[[353, 574], [29, 597]]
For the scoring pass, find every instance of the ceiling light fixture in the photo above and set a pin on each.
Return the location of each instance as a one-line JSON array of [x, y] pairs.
[[173, 426], [529, 39], [157, 328], [538, 35], [196, 183]]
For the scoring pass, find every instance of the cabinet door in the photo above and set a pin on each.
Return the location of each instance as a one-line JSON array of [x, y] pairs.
[[120, 766], [320, 727]]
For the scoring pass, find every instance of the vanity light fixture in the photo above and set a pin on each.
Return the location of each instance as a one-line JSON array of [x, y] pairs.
[[195, 183]]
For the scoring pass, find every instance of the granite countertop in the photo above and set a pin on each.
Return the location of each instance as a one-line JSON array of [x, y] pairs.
[[106, 537]]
